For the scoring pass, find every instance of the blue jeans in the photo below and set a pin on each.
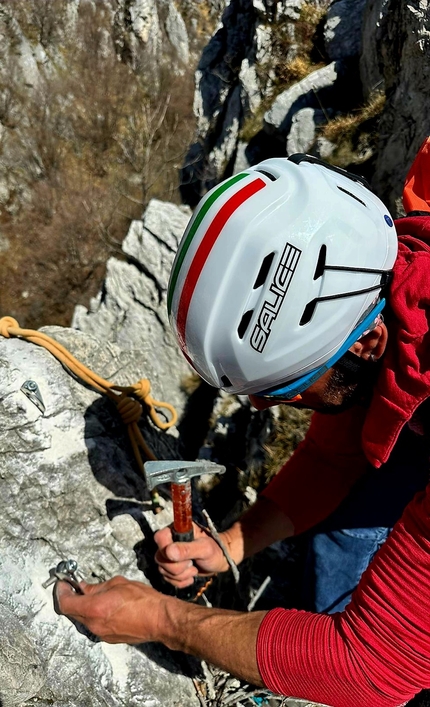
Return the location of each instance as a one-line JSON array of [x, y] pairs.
[[341, 547]]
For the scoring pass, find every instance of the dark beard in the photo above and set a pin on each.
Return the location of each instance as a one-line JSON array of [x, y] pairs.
[[346, 388]]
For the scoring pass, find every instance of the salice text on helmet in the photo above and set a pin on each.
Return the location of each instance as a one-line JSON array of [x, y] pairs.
[[276, 295]]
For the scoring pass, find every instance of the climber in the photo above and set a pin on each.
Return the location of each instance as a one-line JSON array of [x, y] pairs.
[[292, 286]]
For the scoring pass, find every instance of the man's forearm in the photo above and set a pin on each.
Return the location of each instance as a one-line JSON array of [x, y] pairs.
[[125, 611], [222, 637]]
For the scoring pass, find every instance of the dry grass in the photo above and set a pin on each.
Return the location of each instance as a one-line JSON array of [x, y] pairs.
[[344, 127], [303, 63], [203, 16], [290, 428], [296, 70], [96, 142], [280, 74], [190, 383], [355, 134]]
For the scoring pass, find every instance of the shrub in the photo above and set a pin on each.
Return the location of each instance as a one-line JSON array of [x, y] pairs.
[[90, 145]]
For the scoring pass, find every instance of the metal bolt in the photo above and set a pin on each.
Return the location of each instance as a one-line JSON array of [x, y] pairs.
[[31, 390], [67, 566], [71, 566]]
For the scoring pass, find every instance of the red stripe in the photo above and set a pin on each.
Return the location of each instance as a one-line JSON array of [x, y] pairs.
[[205, 248]]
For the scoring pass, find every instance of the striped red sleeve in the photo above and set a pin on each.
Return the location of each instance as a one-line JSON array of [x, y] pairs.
[[322, 470], [376, 652]]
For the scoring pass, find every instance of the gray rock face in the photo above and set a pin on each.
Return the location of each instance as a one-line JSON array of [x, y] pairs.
[[343, 28], [301, 137], [237, 72], [147, 26], [177, 33], [131, 309], [371, 59], [70, 489], [232, 78], [403, 45], [307, 93], [221, 93], [389, 41], [20, 680]]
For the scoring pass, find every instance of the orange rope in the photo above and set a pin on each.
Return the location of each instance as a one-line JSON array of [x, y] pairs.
[[129, 408]]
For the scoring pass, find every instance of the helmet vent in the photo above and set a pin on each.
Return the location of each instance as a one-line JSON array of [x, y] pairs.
[[264, 270], [319, 270], [267, 174], [244, 323], [226, 381], [345, 191], [308, 313]]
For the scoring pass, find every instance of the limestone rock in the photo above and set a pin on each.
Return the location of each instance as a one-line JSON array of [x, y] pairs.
[[148, 27], [302, 135], [317, 87], [241, 161], [144, 22], [404, 47], [20, 679], [371, 59], [131, 309], [217, 86], [232, 78], [177, 33], [323, 148], [374, 33], [70, 488], [343, 28]]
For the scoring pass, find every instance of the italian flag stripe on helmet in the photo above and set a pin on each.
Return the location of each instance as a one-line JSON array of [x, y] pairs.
[[194, 224], [207, 244]]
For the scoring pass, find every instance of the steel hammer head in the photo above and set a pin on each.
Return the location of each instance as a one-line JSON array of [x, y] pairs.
[[178, 472]]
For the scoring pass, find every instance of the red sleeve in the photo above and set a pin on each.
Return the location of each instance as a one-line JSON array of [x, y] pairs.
[[322, 470], [377, 652], [416, 191]]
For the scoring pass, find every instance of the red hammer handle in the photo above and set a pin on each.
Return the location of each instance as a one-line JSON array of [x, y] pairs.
[[182, 512]]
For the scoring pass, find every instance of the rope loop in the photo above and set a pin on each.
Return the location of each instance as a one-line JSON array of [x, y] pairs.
[[142, 390], [7, 323]]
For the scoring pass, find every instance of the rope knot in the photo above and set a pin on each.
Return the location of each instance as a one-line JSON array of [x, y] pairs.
[[7, 323], [142, 390], [129, 409]]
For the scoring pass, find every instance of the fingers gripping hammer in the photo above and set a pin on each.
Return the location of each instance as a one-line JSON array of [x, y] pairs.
[[179, 475]]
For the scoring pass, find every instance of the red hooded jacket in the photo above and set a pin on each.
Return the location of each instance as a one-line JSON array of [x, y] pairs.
[[377, 652]]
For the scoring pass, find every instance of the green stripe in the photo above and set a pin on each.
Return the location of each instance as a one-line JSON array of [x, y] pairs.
[[191, 233]]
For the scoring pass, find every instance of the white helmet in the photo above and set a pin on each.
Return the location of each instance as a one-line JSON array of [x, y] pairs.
[[280, 268]]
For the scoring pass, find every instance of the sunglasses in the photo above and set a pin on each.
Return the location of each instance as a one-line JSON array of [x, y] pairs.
[[291, 392]]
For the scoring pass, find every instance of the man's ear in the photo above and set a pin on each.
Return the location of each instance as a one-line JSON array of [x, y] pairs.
[[373, 344]]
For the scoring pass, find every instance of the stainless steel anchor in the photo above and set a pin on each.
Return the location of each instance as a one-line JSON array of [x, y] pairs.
[[31, 390], [66, 571]]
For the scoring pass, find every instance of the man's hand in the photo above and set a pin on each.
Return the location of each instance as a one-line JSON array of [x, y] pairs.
[[123, 611], [117, 611], [260, 526], [179, 563]]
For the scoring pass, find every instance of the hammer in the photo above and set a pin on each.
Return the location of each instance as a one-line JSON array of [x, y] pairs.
[[179, 474]]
